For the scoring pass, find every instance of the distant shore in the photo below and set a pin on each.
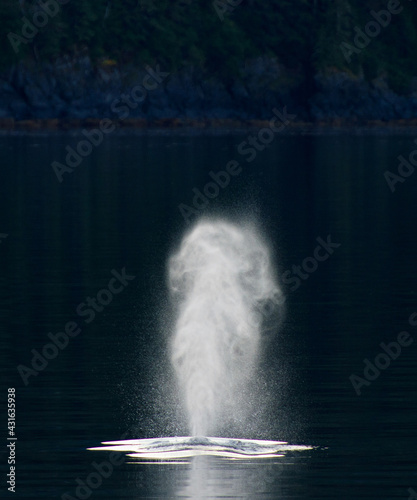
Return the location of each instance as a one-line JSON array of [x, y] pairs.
[[77, 94], [56, 124]]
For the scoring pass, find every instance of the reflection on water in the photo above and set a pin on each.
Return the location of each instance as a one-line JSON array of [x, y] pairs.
[[210, 478], [207, 477], [210, 467]]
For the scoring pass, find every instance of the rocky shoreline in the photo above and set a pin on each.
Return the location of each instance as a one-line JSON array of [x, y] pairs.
[[75, 92], [57, 125]]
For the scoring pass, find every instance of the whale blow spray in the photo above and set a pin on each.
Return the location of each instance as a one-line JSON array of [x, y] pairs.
[[222, 283]]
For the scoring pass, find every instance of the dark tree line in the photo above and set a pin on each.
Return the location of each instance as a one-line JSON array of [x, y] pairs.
[[218, 35]]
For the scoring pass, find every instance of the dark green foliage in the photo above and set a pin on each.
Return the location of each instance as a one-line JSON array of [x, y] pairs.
[[304, 35]]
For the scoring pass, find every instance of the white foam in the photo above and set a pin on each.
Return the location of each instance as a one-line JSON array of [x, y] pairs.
[[183, 447]]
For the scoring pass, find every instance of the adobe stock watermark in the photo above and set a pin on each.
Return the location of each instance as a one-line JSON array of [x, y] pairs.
[[256, 143], [225, 7], [201, 199], [103, 470], [87, 310], [94, 480], [405, 169], [310, 264], [372, 29], [122, 108], [248, 148], [3, 236], [390, 352], [413, 494], [48, 9]]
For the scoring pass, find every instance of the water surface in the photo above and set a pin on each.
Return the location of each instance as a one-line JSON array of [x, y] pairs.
[[120, 209]]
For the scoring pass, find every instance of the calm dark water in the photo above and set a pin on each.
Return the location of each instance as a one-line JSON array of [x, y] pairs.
[[119, 209]]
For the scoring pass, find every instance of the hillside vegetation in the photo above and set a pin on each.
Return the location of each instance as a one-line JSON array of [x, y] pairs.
[[304, 35]]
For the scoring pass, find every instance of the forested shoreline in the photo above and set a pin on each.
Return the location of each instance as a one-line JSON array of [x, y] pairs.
[[231, 59]]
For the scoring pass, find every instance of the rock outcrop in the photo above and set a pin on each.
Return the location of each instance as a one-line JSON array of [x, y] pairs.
[[75, 88]]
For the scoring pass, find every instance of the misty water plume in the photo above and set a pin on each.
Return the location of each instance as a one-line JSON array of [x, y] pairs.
[[224, 289]]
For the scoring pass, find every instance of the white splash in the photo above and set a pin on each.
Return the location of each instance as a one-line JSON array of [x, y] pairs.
[[185, 447], [221, 280]]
